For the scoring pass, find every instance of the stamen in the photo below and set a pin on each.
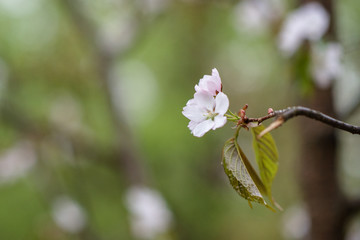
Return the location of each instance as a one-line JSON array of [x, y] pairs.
[[212, 115]]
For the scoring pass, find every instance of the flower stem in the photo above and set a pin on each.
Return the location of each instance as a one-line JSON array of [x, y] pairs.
[[237, 132]]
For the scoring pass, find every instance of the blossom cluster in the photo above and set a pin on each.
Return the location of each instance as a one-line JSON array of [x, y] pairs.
[[206, 110], [309, 22]]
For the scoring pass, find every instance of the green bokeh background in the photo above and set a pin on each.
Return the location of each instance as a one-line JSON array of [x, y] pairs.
[[46, 59]]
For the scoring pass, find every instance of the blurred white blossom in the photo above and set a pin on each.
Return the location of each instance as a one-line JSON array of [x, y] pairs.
[[296, 222], [309, 22], [347, 88], [350, 161], [114, 21], [135, 91], [149, 214], [354, 230], [326, 63], [68, 215], [152, 6], [33, 25], [19, 8], [17, 161], [118, 21], [117, 32], [257, 15]]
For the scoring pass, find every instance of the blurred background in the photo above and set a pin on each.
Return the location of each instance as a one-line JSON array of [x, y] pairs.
[[93, 144]]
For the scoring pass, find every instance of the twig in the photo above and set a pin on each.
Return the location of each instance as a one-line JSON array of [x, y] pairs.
[[288, 113]]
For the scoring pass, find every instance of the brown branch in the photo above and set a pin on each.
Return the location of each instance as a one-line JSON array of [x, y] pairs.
[[288, 113]]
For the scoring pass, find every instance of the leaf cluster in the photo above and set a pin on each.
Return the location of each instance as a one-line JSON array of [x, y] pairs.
[[243, 177]]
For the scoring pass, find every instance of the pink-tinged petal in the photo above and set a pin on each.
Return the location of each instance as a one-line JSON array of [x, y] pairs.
[[205, 99], [222, 103], [219, 121], [203, 128], [194, 112], [210, 84], [216, 76], [203, 80], [203, 84], [213, 87]]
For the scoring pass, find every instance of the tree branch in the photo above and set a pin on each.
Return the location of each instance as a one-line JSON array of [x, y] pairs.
[[288, 113]]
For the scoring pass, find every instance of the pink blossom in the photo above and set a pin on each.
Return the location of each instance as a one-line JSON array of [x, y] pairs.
[[206, 110], [211, 84]]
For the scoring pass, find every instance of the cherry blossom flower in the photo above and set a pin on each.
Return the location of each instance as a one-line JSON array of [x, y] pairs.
[[257, 16], [17, 161], [206, 112], [296, 222], [68, 215], [326, 63], [308, 22], [210, 84], [150, 216]]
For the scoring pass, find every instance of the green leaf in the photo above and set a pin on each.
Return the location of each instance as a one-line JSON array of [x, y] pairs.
[[266, 157], [241, 174]]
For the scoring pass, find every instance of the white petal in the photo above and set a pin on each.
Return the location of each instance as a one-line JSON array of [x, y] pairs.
[[192, 125], [194, 112], [222, 103], [203, 127], [205, 99], [219, 122], [191, 102]]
